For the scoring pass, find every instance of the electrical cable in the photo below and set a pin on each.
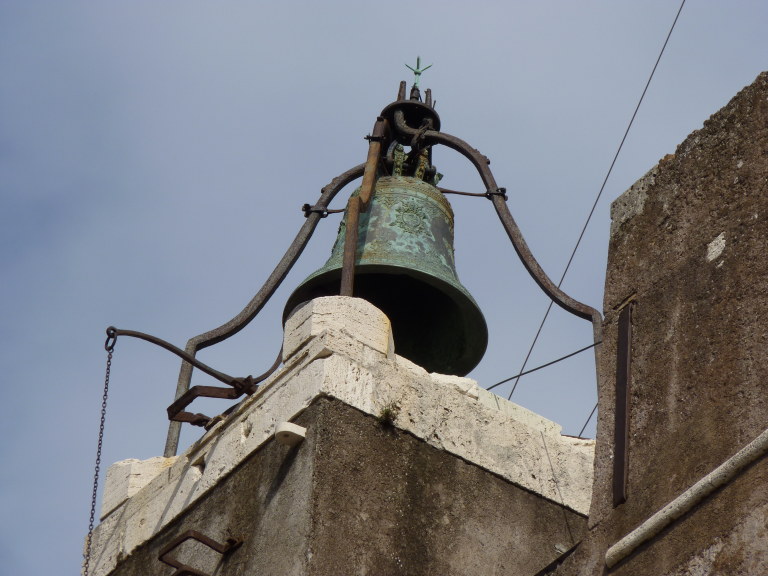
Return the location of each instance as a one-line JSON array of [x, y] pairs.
[[587, 422], [544, 365], [597, 199]]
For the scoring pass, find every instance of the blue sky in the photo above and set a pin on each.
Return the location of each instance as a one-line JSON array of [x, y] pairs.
[[154, 157]]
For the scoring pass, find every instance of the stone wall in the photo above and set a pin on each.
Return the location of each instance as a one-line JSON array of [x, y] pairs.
[[359, 496], [688, 250], [400, 472]]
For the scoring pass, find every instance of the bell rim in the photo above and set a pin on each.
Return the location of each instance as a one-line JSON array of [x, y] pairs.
[[471, 313]]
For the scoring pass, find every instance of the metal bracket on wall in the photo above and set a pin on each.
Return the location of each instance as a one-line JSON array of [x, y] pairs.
[[184, 570], [240, 385], [623, 395]]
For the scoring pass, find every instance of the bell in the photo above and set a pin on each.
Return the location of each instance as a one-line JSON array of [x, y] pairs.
[[404, 266]]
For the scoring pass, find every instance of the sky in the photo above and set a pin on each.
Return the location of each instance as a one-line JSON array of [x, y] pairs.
[[154, 157]]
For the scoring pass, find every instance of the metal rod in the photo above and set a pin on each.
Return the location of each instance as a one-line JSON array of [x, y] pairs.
[[241, 386], [530, 263], [184, 570], [621, 412], [253, 307], [358, 204], [372, 162], [350, 247], [220, 376], [448, 191]]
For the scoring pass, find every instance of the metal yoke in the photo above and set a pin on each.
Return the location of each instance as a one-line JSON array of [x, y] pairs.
[[409, 122]]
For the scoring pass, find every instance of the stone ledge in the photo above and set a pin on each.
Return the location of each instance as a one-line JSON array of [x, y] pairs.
[[352, 324], [448, 412], [127, 477]]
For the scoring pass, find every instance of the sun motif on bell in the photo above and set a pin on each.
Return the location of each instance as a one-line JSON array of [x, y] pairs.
[[410, 217]]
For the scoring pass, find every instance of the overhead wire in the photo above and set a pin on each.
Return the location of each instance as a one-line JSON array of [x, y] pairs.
[[544, 365], [591, 213], [587, 422]]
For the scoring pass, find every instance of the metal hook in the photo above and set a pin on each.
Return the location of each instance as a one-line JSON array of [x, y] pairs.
[[109, 343]]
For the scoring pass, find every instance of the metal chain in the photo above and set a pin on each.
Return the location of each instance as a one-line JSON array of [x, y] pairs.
[[109, 346]]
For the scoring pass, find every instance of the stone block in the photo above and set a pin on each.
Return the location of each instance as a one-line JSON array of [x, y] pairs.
[[354, 323], [127, 477], [466, 386]]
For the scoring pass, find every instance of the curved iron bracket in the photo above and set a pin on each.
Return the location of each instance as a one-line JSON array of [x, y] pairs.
[[425, 135], [481, 164], [183, 569], [240, 385], [253, 307]]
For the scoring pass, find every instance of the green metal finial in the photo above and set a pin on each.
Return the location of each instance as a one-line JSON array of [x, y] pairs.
[[417, 71]]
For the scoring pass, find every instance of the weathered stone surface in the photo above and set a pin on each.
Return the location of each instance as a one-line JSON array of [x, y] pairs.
[[408, 508], [445, 414], [632, 202], [354, 324], [688, 245], [332, 505], [127, 477], [735, 551]]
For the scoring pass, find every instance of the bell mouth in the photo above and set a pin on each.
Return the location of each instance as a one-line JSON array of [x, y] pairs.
[[434, 324]]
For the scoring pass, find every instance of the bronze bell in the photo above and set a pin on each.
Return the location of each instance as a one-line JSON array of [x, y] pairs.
[[404, 266]]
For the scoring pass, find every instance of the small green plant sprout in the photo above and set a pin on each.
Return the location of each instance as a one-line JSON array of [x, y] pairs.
[[389, 413]]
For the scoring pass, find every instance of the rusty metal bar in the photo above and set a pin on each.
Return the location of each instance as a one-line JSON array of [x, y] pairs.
[[358, 204], [113, 333], [242, 386], [184, 570], [460, 193], [195, 419], [401, 90], [175, 410], [481, 163], [372, 162], [253, 307], [621, 422], [350, 247]]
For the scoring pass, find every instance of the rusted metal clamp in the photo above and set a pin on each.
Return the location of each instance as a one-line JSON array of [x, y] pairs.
[[307, 209], [183, 569], [316, 209], [418, 138], [498, 192]]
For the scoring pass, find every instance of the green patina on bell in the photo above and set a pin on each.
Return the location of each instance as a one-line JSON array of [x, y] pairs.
[[404, 266]]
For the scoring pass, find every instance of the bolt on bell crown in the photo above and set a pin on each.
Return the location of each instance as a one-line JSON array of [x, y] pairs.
[[404, 260]]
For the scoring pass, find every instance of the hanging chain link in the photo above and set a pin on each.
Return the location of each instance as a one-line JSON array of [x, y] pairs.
[[109, 346]]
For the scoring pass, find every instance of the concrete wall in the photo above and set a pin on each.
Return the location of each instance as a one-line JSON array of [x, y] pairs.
[[359, 496], [688, 246], [401, 471]]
